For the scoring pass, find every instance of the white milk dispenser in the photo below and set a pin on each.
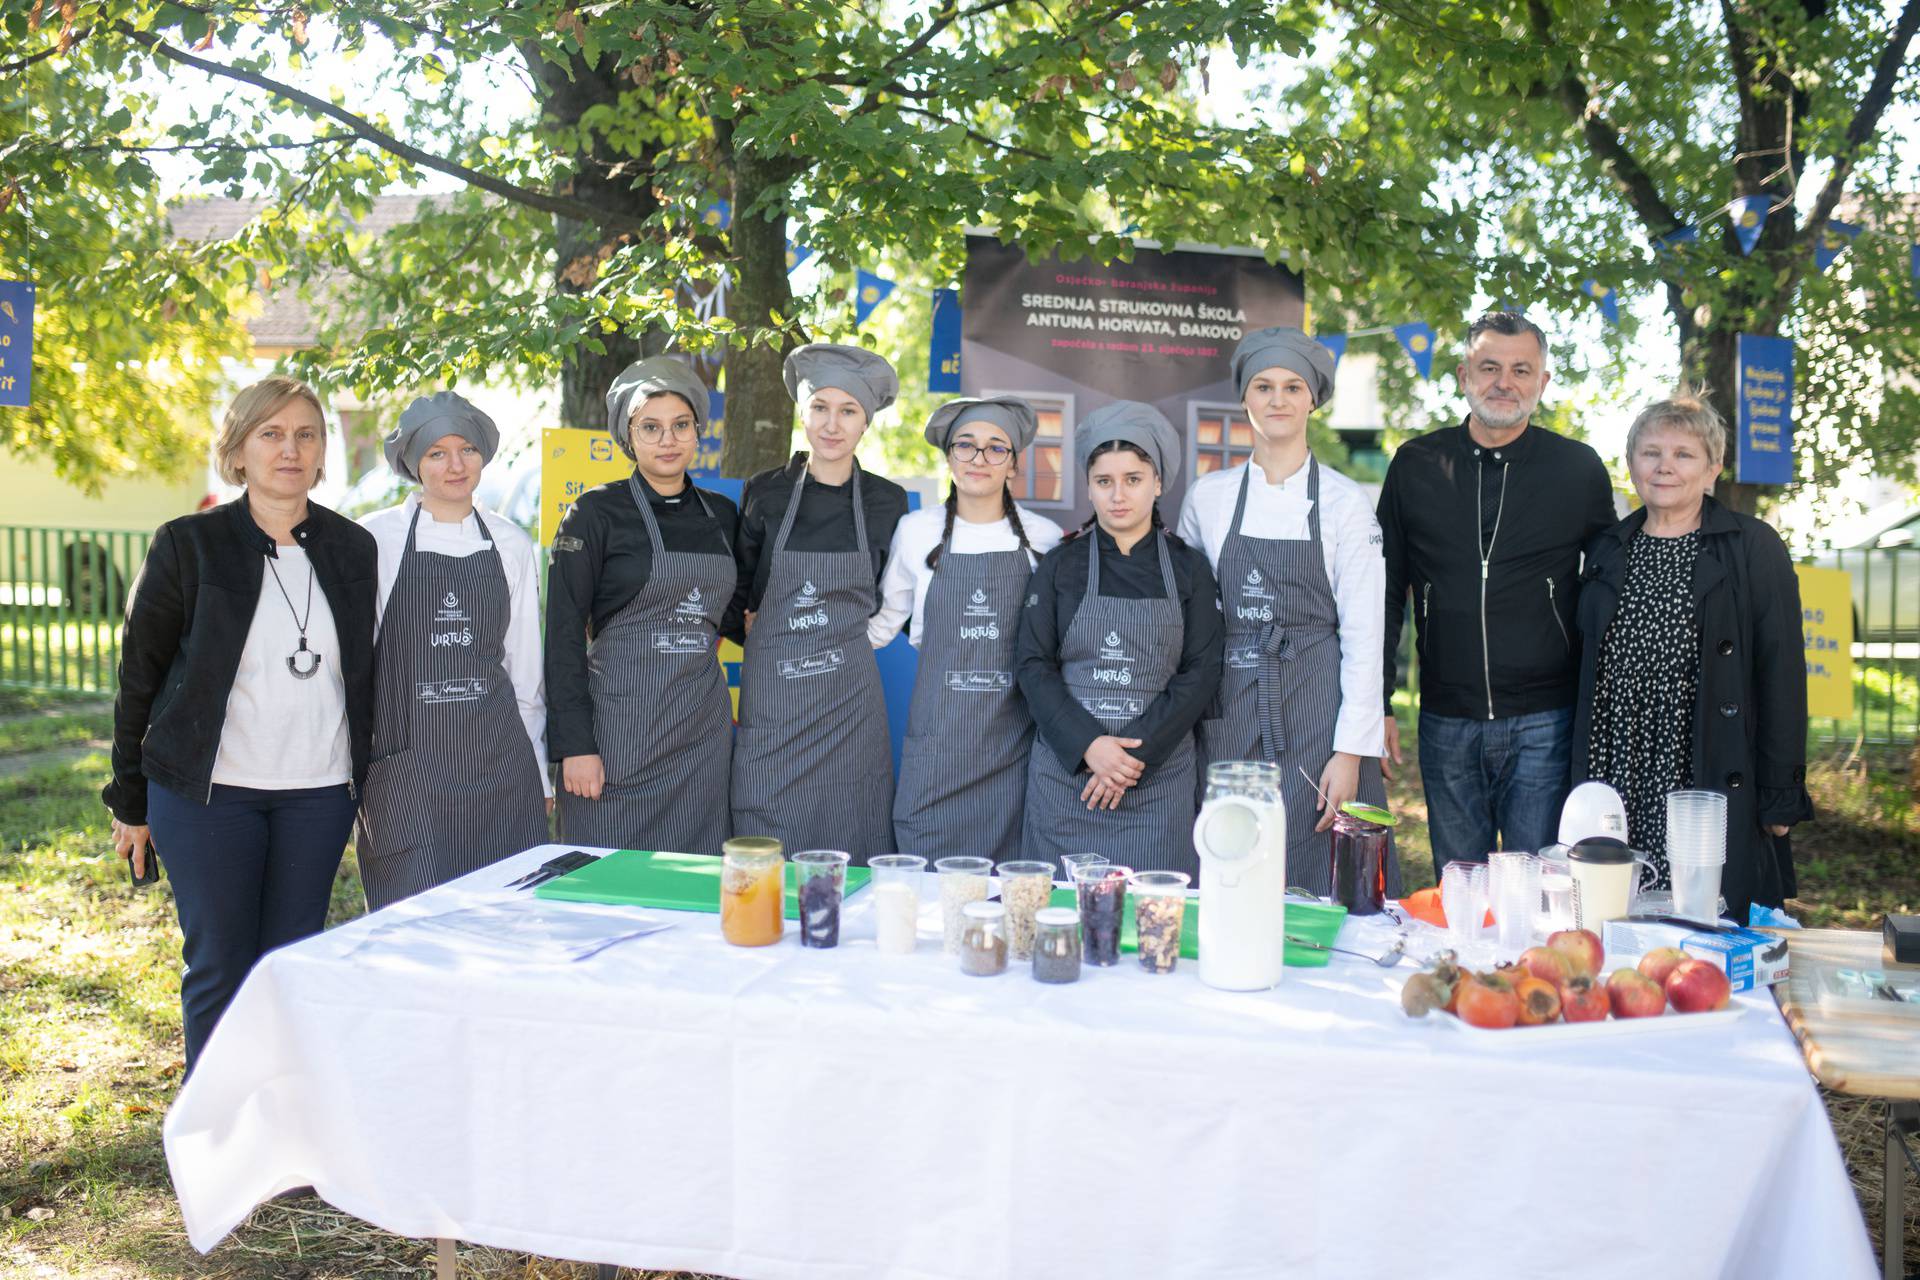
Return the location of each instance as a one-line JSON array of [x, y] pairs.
[[1241, 836]]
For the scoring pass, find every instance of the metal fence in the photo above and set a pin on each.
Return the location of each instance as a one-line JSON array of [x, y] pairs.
[[1885, 582], [62, 595]]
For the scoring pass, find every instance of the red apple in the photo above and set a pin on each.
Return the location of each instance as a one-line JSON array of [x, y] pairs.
[[1660, 962], [1584, 1000], [1539, 1001], [1582, 947], [1547, 964], [1634, 995], [1487, 1000], [1698, 986]]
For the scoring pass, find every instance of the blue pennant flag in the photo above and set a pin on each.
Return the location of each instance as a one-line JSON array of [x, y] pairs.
[[1607, 297], [717, 216], [1334, 342], [1763, 400], [16, 343], [869, 292], [943, 348], [1673, 239], [1749, 214], [1417, 338], [1913, 263], [797, 253], [1834, 239]]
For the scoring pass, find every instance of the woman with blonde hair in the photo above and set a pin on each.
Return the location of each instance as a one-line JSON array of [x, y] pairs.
[[245, 705], [1691, 671]]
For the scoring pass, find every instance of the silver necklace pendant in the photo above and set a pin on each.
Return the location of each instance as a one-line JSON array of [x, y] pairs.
[[293, 662]]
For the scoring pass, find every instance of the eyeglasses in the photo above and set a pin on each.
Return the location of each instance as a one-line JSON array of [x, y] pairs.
[[654, 432], [967, 451]]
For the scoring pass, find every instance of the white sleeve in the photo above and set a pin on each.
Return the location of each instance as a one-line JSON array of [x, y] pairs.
[[896, 587], [382, 526], [1357, 566], [525, 666], [1189, 526]]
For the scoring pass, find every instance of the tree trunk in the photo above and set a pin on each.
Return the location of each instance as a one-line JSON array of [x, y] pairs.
[[759, 423], [565, 96]]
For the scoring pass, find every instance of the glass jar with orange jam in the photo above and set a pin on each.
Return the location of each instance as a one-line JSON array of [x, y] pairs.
[[752, 891]]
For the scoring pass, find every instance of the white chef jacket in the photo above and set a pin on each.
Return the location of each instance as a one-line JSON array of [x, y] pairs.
[[525, 667], [903, 588], [1356, 569]]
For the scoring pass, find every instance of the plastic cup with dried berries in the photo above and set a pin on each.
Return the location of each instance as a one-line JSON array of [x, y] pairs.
[[822, 886], [1102, 893], [1025, 887], [1159, 910]]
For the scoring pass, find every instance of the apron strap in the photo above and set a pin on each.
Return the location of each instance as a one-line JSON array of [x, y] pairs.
[[1240, 503], [646, 514], [793, 508], [1093, 561], [1166, 569], [859, 514]]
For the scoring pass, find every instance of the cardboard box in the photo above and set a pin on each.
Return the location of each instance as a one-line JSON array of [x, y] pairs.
[[1749, 959]]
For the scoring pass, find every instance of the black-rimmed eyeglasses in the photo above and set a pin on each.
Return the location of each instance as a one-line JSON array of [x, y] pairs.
[[967, 451]]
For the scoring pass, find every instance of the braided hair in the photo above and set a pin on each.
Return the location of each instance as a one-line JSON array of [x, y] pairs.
[[1114, 446], [1007, 506], [953, 510]]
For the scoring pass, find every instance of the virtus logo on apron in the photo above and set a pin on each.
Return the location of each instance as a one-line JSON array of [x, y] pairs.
[[812, 612], [979, 621], [1112, 651], [451, 624], [1256, 602]]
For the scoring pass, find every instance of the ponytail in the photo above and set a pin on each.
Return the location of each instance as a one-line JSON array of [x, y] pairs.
[[953, 510]]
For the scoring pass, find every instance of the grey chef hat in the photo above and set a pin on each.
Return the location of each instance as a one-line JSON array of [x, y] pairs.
[[1283, 347], [1135, 423], [862, 374], [1009, 413], [656, 375], [446, 413]]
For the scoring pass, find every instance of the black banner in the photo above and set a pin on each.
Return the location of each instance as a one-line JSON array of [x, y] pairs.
[[1072, 337]]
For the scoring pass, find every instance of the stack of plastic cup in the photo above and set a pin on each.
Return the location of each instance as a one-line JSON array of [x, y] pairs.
[[1696, 852], [1463, 896], [1515, 882]]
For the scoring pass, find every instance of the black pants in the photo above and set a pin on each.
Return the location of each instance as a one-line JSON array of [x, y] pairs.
[[251, 870]]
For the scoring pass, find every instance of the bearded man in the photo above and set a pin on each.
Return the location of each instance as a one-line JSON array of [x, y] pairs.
[[1483, 525]]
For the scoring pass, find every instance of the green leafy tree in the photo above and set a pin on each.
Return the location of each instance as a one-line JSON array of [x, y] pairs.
[[1581, 135]]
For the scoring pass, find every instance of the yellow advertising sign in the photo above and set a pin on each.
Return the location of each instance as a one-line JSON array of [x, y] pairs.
[[1826, 630], [574, 460]]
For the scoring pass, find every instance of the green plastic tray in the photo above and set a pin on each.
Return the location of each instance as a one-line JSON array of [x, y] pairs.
[[1313, 921], [671, 881]]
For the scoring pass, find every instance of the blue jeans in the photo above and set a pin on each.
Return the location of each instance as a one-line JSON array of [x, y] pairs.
[[1494, 784], [251, 870]]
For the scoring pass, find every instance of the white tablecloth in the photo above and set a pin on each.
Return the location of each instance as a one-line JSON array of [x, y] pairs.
[[674, 1102]]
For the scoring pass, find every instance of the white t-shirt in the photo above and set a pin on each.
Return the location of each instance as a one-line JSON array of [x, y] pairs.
[[282, 732], [1356, 570], [903, 588], [522, 646]]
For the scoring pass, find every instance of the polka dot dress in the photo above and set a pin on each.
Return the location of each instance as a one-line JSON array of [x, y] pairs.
[[1646, 686]]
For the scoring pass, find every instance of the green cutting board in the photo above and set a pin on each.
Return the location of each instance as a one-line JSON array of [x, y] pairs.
[[673, 881], [1315, 922]]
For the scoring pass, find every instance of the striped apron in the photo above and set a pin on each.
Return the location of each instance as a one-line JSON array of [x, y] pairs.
[[1280, 692], [454, 784], [1116, 658], [661, 714], [963, 769], [812, 759]]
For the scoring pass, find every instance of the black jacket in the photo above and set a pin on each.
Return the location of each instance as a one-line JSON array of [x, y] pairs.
[[1054, 596], [601, 559], [187, 622], [1498, 642], [1750, 723], [824, 522]]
